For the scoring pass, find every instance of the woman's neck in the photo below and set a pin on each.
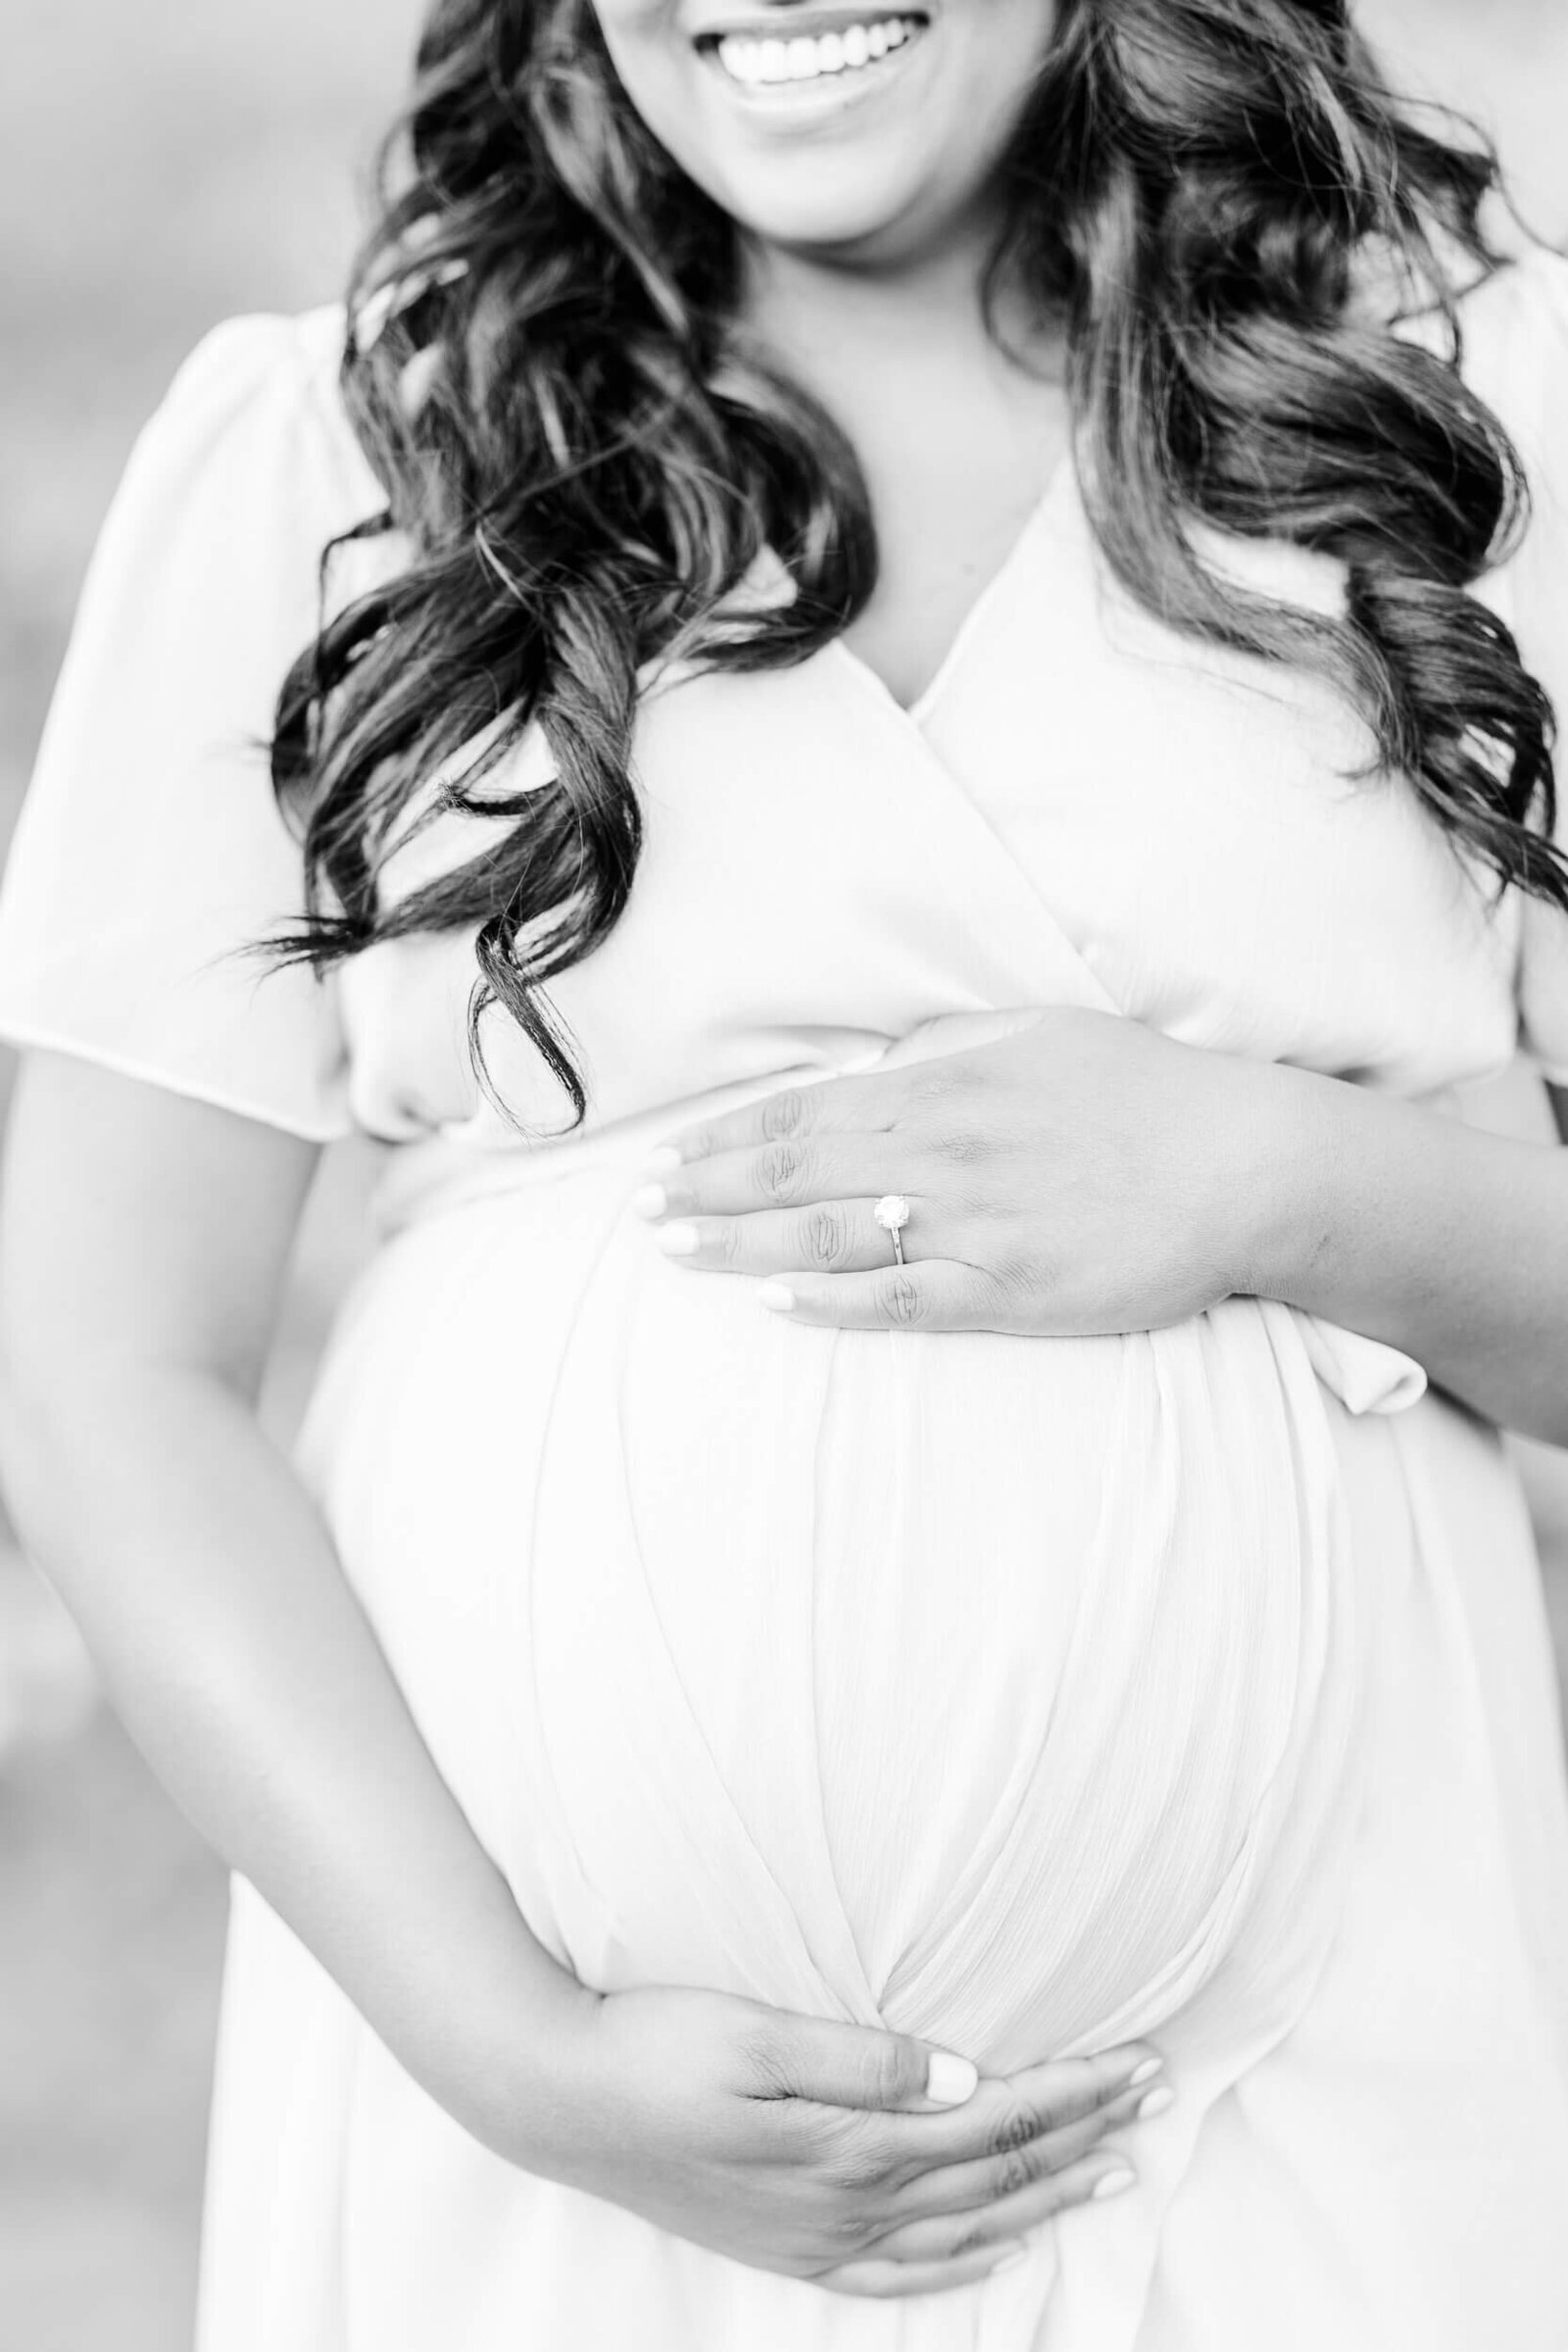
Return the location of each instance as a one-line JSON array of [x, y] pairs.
[[833, 323], [801, 304]]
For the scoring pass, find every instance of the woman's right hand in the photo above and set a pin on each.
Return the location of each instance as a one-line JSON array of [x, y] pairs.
[[818, 2149]]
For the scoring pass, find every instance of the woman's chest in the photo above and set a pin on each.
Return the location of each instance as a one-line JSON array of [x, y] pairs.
[[952, 517], [1089, 810]]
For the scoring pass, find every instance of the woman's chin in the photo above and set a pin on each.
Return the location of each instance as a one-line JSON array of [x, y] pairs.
[[844, 211]]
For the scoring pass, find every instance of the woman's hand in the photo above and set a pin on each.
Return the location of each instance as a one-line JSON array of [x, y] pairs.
[[817, 2150], [1083, 1174]]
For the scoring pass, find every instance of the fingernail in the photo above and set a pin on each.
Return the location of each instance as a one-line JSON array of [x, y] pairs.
[[680, 1240], [651, 1202], [1156, 2103], [662, 1162], [949, 2080], [779, 1299], [1144, 2073], [1114, 2184], [1010, 2262]]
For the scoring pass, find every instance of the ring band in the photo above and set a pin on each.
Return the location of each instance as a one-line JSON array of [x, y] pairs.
[[892, 1213]]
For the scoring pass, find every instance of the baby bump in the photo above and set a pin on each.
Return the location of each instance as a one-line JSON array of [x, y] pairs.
[[1005, 1689]]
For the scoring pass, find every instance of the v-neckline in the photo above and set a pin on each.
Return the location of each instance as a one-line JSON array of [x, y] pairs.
[[919, 711]]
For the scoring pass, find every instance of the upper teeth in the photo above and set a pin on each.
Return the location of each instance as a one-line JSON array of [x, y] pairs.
[[802, 58]]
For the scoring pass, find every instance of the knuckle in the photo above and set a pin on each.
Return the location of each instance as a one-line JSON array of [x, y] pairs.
[[781, 1171], [846, 2232], [1015, 2171], [1015, 2128], [826, 1235], [786, 1114], [967, 1146], [903, 1301], [887, 2075]]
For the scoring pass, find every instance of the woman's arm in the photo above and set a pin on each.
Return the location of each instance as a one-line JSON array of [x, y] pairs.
[[142, 1250], [1446, 1242]]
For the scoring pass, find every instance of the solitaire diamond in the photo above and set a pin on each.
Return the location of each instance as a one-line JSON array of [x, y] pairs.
[[892, 1213]]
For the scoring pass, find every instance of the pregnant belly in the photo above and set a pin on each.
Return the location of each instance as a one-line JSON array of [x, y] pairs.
[[1007, 1690]]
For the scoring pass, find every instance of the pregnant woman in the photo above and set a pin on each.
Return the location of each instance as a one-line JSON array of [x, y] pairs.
[[897, 1698]]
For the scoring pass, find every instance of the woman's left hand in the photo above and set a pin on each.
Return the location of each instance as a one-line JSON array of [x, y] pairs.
[[1083, 1174]]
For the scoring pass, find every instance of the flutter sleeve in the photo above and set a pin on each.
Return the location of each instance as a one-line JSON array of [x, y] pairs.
[[1530, 393], [150, 851]]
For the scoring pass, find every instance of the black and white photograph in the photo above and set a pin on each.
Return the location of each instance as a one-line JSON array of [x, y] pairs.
[[784, 1201]]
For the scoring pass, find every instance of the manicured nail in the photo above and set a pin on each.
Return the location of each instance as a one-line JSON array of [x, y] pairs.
[[1156, 2103], [651, 1202], [1144, 2073], [949, 2080], [680, 1240], [1009, 2260], [1114, 2184], [662, 1162], [779, 1299]]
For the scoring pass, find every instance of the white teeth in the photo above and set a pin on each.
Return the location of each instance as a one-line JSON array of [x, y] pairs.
[[751, 62]]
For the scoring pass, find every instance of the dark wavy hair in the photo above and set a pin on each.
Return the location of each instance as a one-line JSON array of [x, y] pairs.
[[584, 457]]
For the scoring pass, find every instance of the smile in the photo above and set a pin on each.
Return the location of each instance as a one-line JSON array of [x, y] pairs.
[[853, 47]]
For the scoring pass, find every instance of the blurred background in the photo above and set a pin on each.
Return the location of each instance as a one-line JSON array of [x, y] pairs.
[[165, 162]]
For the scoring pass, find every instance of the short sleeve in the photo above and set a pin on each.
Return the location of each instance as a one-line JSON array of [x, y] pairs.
[[151, 851], [1519, 364]]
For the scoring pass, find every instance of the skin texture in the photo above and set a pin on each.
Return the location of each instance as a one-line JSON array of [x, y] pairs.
[[143, 1243], [1089, 1175]]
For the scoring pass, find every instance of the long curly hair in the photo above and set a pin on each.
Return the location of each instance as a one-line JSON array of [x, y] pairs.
[[584, 458]]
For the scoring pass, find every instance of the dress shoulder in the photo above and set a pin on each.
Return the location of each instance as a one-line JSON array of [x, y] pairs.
[[151, 851]]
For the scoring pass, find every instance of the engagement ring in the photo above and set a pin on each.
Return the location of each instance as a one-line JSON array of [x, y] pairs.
[[892, 1213]]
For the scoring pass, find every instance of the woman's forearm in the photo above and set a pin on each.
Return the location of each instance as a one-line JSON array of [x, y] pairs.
[[240, 1661], [1446, 1242]]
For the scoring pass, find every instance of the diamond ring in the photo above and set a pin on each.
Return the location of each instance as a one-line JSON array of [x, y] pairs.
[[892, 1213]]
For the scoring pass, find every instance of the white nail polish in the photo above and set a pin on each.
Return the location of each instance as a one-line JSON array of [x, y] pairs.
[[651, 1202], [778, 1298], [949, 2080], [1145, 2073], [662, 1162], [1114, 2184], [680, 1240], [1156, 2103]]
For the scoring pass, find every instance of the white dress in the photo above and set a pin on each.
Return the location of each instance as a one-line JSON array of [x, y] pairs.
[[1029, 1695]]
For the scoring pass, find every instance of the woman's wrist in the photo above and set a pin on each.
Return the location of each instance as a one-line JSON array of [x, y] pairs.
[[1305, 1144], [507, 2070]]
